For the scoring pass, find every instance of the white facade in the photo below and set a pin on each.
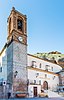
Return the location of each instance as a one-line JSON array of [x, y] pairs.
[[38, 77], [40, 71]]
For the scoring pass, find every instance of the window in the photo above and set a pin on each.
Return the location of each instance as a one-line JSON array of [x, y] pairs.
[[52, 68], [0, 69], [40, 65], [39, 82], [20, 24], [34, 81], [33, 63], [45, 75], [46, 67], [37, 74]]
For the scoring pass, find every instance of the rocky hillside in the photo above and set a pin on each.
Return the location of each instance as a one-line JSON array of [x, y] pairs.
[[54, 56]]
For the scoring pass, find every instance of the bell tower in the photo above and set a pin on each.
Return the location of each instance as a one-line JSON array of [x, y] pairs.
[[17, 52], [17, 27]]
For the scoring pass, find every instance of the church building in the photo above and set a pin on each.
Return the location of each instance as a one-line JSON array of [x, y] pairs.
[[21, 73]]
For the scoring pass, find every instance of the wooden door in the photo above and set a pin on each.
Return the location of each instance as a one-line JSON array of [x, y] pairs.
[[45, 85], [35, 91]]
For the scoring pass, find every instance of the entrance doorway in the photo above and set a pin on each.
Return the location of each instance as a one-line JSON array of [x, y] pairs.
[[35, 91], [45, 85]]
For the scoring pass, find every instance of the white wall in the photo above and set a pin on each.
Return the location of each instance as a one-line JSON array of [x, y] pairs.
[[3, 61], [56, 68], [52, 79]]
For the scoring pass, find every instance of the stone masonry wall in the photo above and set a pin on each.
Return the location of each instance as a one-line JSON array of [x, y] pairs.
[[19, 67]]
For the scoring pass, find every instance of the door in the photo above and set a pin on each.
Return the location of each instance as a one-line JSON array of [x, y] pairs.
[[35, 91], [45, 85]]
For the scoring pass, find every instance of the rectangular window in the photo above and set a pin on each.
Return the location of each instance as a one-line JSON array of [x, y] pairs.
[[33, 63], [37, 74], [46, 67], [20, 24], [39, 82], [0, 69], [40, 65], [34, 81], [52, 68], [45, 75]]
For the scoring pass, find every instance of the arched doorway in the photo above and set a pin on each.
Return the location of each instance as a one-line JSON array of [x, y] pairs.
[[45, 85]]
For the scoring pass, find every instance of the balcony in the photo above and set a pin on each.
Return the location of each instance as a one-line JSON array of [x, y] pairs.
[[33, 82]]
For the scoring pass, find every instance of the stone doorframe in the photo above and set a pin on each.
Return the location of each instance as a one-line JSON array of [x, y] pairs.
[[45, 85]]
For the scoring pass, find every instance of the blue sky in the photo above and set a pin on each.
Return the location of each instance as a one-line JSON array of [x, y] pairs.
[[45, 23]]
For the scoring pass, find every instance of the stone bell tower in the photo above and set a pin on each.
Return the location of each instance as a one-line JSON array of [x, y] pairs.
[[17, 52]]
